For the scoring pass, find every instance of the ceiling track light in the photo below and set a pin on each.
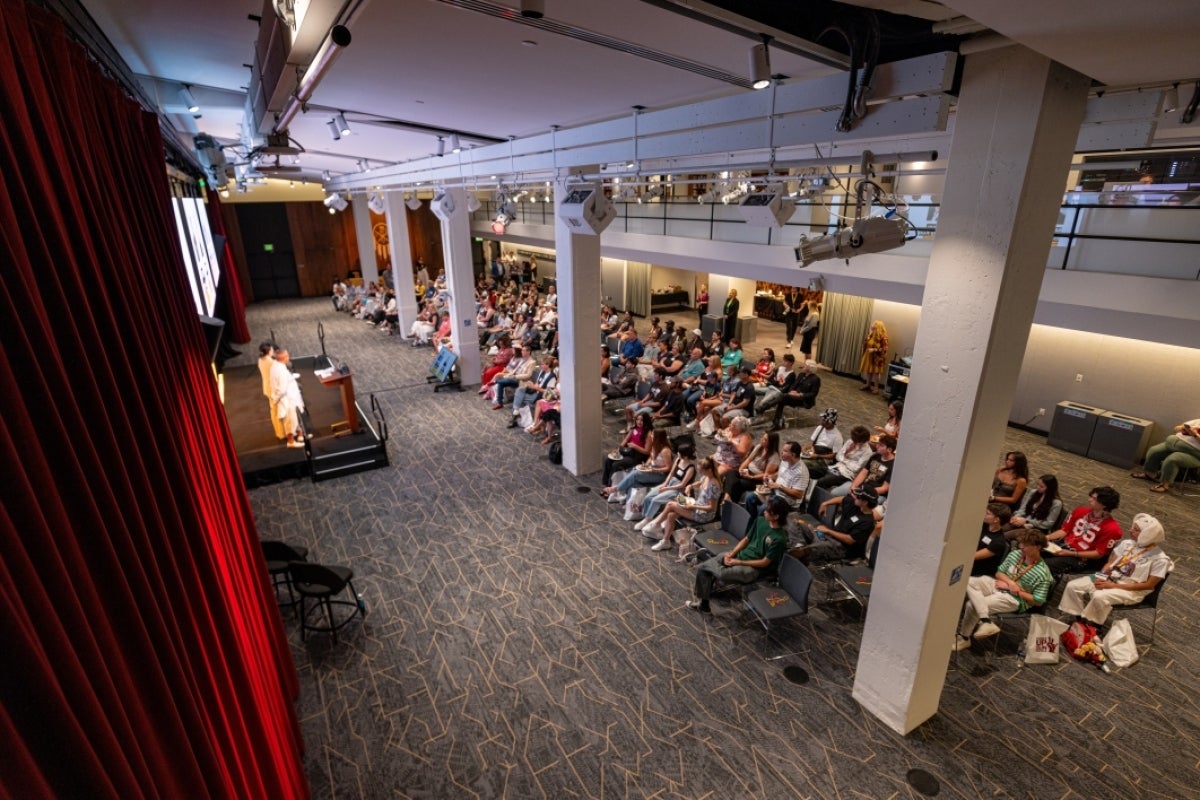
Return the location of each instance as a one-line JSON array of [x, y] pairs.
[[333, 130], [189, 100], [441, 148], [455, 144], [1171, 99], [760, 65], [343, 127]]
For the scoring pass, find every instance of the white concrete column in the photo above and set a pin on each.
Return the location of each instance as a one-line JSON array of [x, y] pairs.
[[1018, 117], [366, 240], [397, 222], [578, 284], [456, 254]]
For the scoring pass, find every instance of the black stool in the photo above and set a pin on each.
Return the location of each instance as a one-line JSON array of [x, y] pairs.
[[322, 584], [278, 556]]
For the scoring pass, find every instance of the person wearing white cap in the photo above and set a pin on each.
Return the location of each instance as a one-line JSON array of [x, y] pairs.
[[1136, 566]]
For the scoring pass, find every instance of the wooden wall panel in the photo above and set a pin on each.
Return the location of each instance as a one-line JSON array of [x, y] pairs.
[[233, 231], [324, 244]]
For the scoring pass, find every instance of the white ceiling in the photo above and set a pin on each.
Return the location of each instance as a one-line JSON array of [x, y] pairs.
[[427, 62]]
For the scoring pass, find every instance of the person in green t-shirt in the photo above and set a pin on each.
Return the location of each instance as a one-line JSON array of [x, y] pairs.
[[1022, 582], [756, 555]]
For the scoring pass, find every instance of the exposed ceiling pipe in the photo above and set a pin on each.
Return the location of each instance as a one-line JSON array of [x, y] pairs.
[[339, 39]]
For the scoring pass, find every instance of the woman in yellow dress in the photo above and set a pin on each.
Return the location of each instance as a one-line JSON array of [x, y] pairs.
[[874, 357]]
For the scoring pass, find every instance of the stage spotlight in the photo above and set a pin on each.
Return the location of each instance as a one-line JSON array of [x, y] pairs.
[[768, 209], [473, 203], [413, 202], [760, 66], [335, 202], [376, 204], [326, 175], [868, 235], [342, 126], [441, 148], [185, 94], [334, 133], [504, 217], [455, 144]]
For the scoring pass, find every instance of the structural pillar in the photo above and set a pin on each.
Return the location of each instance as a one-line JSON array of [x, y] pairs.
[[578, 282], [460, 281], [365, 235], [402, 278], [1018, 118]]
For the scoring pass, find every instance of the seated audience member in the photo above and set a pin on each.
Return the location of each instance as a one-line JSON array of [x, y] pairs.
[[442, 337], [650, 472], [672, 403], [847, 461], [1088, 535], [732, 450], [739, 403], [650, 403], [877, 472], [504, 354], [631, 350], [1039, 509], [716, 347], [789, 484], [993, 545], [533, 388], [1011, 480], [682, 473], [776, 384], [755, 556], [1022, 582], [423, 326], [515, 373], [732, 356], [670, 363], [824, 442], [546, 415], [1179, 451], [651, 351], [605, 363], [895, 411], [761, 463], [633, 449], [1136, 566], [698, 504], [846, 536], [766, 366], [707, 391], [803, 393]]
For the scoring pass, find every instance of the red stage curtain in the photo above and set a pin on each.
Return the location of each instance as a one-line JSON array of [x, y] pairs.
[[235, 299], [143, 653]]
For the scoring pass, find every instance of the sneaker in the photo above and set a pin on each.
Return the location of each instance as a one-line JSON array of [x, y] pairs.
[[295, 444], [652, 531], [789, 345], [691, 426], [664, 544], [641, 524], [960, 643], [617, 497], [986, 629], [696, 605]]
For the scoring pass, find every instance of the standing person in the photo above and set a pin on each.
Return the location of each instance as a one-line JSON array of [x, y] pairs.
[[422, 272], [874, 357], [285, 391], [1180, 450], [702, 304], [266, 358], [795, 310], [730, 316], [809, 330]]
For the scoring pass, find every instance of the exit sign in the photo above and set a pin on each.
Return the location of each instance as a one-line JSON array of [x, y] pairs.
[[268, 248]]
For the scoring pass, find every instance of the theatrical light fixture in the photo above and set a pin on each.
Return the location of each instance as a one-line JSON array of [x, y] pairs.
[[413, 202], [1171, 99], [441, 148], [185, 94], [376, 204], [326, 175], [343, 127], [455, 144], [504, 217], [336, 202], [473, 203], [586, 209], [442, 205], [768, 209], [867, 235], [362, 165], [760, 66]]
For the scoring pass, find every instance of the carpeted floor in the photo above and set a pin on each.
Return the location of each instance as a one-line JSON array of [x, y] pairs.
[[523, 642]]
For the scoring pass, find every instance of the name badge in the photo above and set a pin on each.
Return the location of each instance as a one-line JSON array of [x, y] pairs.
[[854, 518], [987, 540]]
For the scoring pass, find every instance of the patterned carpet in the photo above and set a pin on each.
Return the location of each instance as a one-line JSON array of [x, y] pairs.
[[523, 642]]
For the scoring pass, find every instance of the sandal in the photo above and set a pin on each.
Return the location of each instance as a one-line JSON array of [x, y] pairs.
[[1161, 488], [1143, 475]]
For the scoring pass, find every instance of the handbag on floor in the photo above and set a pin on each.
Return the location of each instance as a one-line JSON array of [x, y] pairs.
[[633, 505], [1119, 645], [1041, 645], [707, 426], [524, 417]]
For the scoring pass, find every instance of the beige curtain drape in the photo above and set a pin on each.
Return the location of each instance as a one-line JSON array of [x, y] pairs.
[[845, 320]]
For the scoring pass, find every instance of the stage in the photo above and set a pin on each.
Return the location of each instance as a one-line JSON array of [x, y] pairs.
[[265, 460]]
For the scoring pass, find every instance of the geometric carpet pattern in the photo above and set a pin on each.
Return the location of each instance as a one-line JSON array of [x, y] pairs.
[[523, 642]]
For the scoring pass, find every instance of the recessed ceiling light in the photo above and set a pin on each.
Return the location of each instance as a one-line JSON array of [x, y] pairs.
[[529, 43]]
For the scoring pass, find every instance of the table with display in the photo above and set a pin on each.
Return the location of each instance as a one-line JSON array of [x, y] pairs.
[[662, 300]]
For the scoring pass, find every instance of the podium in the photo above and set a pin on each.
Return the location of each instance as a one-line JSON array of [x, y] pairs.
[[344, 380]]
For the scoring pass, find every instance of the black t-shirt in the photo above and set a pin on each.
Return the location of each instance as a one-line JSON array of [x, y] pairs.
[[859, 524], [744, 393], [997, 544], [879, 472]]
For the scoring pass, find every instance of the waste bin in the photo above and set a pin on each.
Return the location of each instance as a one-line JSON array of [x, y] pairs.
[[1120, 439], [1073, 426]]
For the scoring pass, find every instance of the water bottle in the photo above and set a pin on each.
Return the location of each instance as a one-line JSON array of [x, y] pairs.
[[1021, 653]]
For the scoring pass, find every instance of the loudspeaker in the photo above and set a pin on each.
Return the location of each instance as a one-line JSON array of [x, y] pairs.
[[213, 330]]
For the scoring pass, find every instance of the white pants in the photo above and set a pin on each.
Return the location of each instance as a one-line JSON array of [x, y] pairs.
[[983, 600], [1101, 602]]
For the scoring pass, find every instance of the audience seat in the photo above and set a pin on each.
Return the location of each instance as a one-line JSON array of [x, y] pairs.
[[322, 583], [788, 599], [278, 555]]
